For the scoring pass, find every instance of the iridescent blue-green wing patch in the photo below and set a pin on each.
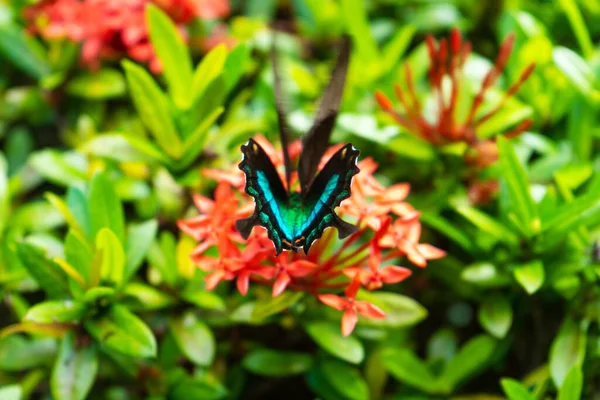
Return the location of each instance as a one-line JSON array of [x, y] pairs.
[[328, 190], [265, 186]]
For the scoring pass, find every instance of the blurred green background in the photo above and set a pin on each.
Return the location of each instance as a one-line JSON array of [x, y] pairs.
[[111, 113]]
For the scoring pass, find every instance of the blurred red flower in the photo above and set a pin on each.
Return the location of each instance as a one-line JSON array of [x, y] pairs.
[[447, 59], [109, 29], [332, 265]]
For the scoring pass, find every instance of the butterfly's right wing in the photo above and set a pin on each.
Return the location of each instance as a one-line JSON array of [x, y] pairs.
[[264, 185]]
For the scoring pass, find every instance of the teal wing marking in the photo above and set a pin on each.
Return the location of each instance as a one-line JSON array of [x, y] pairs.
[[330, 187], [265, 186], [293, 221]]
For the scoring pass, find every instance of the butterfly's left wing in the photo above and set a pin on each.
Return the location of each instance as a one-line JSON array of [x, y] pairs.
[[329, 189], [265, 186]]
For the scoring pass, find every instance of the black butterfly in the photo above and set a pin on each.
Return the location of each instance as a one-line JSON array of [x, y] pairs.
[[295, 220]]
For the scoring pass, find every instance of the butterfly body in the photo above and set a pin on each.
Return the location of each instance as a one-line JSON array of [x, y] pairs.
[[294, 220]]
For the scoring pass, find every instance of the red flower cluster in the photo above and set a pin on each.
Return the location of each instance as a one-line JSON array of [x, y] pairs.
[[445, 71], [388, 228], [110, 28]]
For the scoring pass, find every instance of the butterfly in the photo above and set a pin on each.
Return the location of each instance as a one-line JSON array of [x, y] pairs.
[[294, 220]]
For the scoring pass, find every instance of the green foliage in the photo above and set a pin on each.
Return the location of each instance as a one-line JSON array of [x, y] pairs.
[[100, 299]]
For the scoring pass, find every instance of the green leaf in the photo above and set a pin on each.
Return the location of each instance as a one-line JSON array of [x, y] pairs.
[[572, 12], [330, 338], [153, 107], [105, 208], [209, 69], [172, 53], [484, 274], [146, 297], [4, 192], [63, 208], [194, 144], [572, 385], [405, 366], [582, 211], [235, 65], [55, 311], [15, 46], [61, 168], [345, 379], [471, 359], [271, 306], [495, 315], [101, 85], [46, 273], [78, 205], [401, 311], [397, 46], [515, 181], [448, 229], [357, 25], [487, 224], [515, 390], [20, 354], [197, 389], [575, 69], [276, 363], [79, 254], [113, 256], [139, 239], [74, 371], [194, 339], [530, 275], [568, 350], [203, 299], [122, 332], [11, 392]]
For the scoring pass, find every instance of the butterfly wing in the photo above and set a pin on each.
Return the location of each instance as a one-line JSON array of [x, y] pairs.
[[316, 141], [281, 115], [265, 186], [329, 189]]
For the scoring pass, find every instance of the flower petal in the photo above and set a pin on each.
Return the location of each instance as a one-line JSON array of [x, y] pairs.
[[349, 320], [334, 301], [281, 283], [369, 310], [394, 274]]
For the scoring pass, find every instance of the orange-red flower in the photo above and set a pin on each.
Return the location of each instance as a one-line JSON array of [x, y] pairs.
[[446, 61], [351, 306], [388, 229], [109, 29]]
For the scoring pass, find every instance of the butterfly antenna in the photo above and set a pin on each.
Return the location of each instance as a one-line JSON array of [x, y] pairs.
[[280, 109], [316, 141]]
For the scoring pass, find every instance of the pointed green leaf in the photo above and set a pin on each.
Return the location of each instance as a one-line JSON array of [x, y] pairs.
[[139, 239], [11, 392], [194, 339], [113, 256], [49, 276], [471, 359], [55, 311], [495, 315], [345, 379], [572, 385], [271, 306], [277, 363], [514, 179], [530, 275], [515, 390], [122, 332], [105, 208], [17, 48], [405, 366], [568, 350], [209, 68], [74, 371], [172, 53], [330, 338], [153, 107]]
